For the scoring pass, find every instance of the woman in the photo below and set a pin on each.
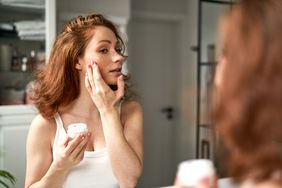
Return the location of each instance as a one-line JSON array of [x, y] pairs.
[[83, 83], [248, 99]]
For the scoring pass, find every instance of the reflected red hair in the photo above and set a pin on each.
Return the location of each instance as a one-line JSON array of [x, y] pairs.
[[248, 105]]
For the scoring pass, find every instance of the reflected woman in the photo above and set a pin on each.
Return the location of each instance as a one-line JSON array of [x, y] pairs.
[[83, 83], [248, 103]]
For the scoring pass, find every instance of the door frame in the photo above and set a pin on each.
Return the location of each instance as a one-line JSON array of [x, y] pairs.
[[187, 89]]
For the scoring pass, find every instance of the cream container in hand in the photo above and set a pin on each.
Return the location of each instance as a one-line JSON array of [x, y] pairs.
[[76, 129]]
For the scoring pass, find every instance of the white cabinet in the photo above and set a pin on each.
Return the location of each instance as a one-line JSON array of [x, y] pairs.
[[14, 125]]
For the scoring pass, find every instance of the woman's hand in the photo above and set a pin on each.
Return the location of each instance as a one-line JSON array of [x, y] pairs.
[[71, 151], [102, 95]]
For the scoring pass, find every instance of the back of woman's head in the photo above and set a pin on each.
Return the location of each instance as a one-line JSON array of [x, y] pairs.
[[58, 83], [248, 106]]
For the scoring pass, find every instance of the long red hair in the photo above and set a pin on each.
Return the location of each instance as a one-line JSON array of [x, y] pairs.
[[57, 84]]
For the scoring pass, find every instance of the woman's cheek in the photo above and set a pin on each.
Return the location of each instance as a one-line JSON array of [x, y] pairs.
[[220, 71]]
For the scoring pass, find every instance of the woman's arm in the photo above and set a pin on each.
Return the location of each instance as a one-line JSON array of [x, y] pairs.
[[41, 170], [125, 143]]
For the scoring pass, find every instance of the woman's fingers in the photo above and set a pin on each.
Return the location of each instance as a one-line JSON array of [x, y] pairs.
[[101, 93], [80, 155], [94, 79], [98, 80], [120, 90], [66, 141], [81, 146], [89, 76], [87, 83], [73, 144]]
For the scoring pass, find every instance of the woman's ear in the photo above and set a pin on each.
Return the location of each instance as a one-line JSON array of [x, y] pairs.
[[78, 64]]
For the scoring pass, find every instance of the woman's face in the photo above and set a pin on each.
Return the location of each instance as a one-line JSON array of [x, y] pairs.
[[105, 50], [221, 66]]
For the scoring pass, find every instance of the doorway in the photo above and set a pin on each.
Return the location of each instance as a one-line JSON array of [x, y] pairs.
[[154, 64]]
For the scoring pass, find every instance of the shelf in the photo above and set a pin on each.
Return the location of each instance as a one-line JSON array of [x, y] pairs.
[[12, 92], [22, 8], [205, 126], [14, 73], [11, 38], [8, 34], [227, 2], [15, 79], [208, 63]]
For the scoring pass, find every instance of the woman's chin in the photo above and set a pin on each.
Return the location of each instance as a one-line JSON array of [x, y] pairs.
[[112, 81]]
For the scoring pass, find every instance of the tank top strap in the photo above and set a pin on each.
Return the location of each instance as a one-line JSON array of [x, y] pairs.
[[60, 132], [58, 120]]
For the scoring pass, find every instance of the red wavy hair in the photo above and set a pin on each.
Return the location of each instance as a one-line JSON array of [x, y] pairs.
[[57, 84]]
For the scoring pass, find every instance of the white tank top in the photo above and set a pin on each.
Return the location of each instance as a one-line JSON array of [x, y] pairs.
[[93, 171]]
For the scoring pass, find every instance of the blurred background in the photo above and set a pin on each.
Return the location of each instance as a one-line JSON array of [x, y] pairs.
[[172, 48]]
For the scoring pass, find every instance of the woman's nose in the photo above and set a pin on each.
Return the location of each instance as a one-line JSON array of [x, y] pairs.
[[119, 58], [220, 71]]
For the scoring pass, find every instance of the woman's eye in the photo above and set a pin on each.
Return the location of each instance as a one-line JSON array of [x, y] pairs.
[[104, 51], [119, 50]]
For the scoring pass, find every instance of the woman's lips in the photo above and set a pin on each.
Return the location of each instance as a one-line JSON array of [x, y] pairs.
[[116, 72]]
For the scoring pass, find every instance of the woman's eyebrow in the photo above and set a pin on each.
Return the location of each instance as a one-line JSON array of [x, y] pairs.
[[105, 40]]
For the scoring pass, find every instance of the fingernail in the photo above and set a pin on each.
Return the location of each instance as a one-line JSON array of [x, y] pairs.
[[94, 65]]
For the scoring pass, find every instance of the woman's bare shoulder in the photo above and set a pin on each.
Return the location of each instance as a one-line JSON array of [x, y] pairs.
[[131, 110], [42, 126], [131, 107]]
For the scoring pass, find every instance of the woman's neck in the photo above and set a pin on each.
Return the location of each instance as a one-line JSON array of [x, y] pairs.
[[83, 106]]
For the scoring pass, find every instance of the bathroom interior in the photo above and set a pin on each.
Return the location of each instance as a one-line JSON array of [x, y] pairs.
[[172, 57]]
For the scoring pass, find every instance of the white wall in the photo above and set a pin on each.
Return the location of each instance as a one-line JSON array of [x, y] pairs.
[[184, 13], [187, 133], [160, 6], [117, 10], [110, 7], [210, 15]]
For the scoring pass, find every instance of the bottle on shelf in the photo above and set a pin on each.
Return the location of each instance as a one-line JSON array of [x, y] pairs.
[[5, 57], [40, 59], [16, 61], [24, 66], [31, 61]]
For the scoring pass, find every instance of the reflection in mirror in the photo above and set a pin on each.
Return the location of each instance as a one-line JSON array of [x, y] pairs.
[[210, 13]]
